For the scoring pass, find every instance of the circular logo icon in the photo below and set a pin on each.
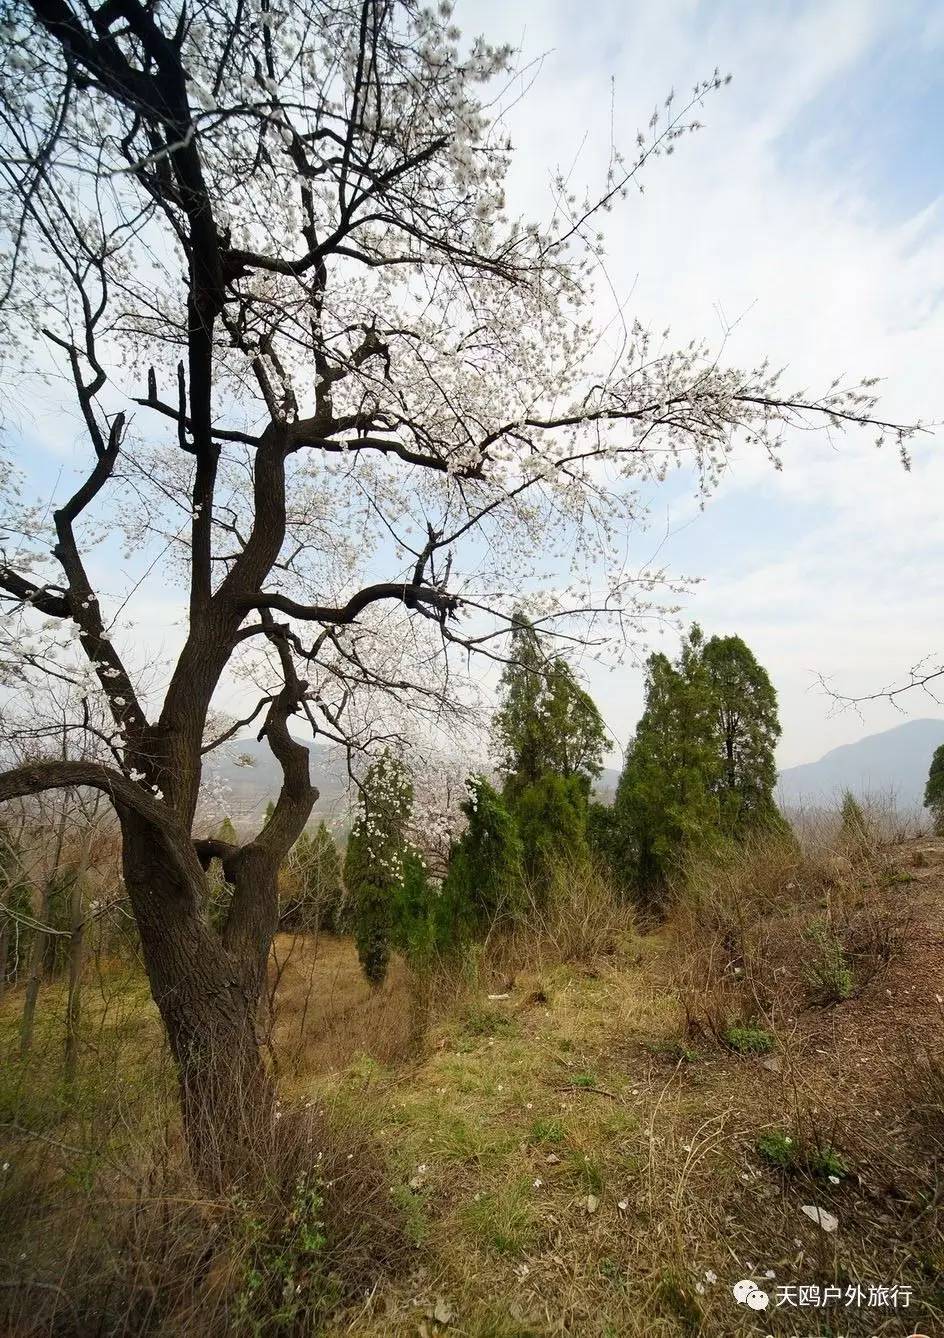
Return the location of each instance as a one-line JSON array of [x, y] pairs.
[[746, 1292]]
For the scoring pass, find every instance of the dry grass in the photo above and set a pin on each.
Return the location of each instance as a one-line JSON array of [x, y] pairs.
[[560, 1159], [781, 923], [922, 1075], [578, 921], [136, 1247], [105, 1229], [323, 1012]]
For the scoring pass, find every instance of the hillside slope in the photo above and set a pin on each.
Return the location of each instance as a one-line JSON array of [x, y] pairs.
[[561, 1156], [572, 1165], [248, 775]]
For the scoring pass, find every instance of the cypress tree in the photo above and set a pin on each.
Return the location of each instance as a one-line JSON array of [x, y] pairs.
[[552, 822], [748, 725], [373, 865], [314, 873], [666, 802], [551, 740], [218, 890], [701, 768], [855, 828], [485, 876], [547, 724], [934, 790], [414, 926]]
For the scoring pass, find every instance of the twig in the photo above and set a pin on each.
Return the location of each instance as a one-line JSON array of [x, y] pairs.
[[580, 1087]]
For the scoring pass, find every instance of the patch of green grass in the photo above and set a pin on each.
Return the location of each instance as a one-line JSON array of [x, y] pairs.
[[413, 1213], [480, 1021], [363, 1069], [506, 1223], [635, 1162], [778, 1149], [615, 1124], [26, 1100], [494, 1325], [586, 1171], [674, 1299], [465, 1074], [547, 1131], [458, 1139], [673, 1050], [610, 1269], [826, 1161], [746, 1039], [828, 971], [891, 877], [794, 1155], [583, 1080]]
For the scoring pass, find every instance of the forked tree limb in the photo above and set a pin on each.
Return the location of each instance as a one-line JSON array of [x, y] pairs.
[[126, 795]]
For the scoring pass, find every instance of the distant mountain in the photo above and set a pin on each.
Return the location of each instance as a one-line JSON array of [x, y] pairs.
[[251, 785], [250, 776], [607, 781], [896, 760]]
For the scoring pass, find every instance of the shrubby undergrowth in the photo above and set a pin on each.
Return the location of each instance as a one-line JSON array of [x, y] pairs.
[[783, 921], [757, 920]]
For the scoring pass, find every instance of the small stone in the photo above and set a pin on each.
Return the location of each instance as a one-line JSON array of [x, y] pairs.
[[593, 1204], [820, 1216], [442, 1312]]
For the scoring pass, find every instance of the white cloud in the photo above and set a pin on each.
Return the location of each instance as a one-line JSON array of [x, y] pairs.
[[830, 566]]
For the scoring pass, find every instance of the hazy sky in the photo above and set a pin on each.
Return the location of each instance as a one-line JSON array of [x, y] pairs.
[[809, 212], [808, 216]]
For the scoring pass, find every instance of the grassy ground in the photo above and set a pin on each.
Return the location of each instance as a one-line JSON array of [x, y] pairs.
[[566, 1153]]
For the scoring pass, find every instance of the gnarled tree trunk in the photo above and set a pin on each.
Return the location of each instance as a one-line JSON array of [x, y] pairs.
[[207, 988], [207, 985]]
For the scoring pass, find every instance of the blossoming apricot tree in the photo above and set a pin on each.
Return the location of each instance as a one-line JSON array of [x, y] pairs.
[[334, 388]]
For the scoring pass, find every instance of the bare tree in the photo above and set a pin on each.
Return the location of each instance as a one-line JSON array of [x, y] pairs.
[[371, 400], [91, 805], [41, 935], [59, 838]]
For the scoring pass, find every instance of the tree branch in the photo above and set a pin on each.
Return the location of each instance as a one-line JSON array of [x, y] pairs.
[[405, 592], [125, 794]]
